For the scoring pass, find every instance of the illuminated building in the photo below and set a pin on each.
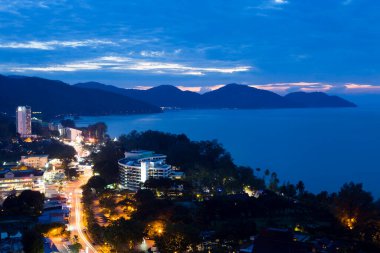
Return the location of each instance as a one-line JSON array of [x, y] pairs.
[[35, 161], [139, 166], [73, 134], [18, 179], [24, 121]]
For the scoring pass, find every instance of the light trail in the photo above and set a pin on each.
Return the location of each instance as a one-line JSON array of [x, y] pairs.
[[78, 224]]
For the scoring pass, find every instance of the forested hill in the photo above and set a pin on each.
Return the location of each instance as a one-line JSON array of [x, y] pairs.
[[57, 98]]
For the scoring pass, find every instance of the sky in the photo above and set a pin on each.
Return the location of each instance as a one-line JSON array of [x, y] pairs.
[[279, 45]]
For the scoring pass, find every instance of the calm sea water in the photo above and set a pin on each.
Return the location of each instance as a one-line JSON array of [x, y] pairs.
[[323, 147]]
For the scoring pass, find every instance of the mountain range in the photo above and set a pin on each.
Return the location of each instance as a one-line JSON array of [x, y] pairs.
[[229, 96], [55, 98]]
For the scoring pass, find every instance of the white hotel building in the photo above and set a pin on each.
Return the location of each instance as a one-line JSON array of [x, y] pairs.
[[138, 166]]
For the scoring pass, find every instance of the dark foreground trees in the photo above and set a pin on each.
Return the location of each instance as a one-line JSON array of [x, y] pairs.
[[349, 216], [32, 242], [27, 203], [106, 161]]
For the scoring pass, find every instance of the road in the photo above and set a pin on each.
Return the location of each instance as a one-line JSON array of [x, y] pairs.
[[76, 222], [72, 189]]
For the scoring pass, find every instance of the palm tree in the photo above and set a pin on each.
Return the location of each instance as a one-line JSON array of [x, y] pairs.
[[273, 184], [266, 174], [258, 170], [300, 187]]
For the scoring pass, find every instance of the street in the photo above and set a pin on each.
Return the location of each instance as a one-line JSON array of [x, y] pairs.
[[73, 191]]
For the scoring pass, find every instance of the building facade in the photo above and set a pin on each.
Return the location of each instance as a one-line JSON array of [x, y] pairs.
[[139, 166], [73, 134], [35, 161], [24, 121], [55, 127], [18, 179]]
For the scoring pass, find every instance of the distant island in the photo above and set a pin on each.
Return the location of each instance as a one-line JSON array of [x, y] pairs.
[[56, 98]]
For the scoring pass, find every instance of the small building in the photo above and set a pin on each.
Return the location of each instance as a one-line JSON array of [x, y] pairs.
[[138, 166], [55, 211], [35, 161], [55, 126]]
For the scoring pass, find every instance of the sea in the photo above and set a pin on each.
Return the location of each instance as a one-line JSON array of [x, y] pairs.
[[324, 148]]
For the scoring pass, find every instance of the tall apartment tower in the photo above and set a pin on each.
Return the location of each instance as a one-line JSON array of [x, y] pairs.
[[24, 120]]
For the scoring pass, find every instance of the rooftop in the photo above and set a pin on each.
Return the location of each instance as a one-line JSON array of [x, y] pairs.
[[21, 171], [136, 157], [41, 156]]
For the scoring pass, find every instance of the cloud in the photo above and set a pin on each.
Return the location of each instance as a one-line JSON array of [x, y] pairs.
[[59, 68], [190, 88], [280, 1], [147, 53], [284, 88], [296, 86], [117, 63], [53, 44], [14, 6], [361, 88], [160, 67], [198, 89], [269, 5], [140, 87]]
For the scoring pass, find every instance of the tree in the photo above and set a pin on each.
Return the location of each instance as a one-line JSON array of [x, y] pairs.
[[159, 184], [76, 247], [106, 161], [124, 234], [32, 242], [56, 149], [288, 190], [177, 238], [97, 130], [247, 178], [97, 183], [68, 123], [273, 182], [266, 175], [32, 199], [353, 206], [144, 196], [28, 202], [300, 187]]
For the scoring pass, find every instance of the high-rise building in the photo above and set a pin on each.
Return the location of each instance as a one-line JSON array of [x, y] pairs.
[[139, 166], [24, 120]]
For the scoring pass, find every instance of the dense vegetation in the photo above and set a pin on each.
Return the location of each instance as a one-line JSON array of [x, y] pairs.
[[205, 163], [214, 208], [27, 203]]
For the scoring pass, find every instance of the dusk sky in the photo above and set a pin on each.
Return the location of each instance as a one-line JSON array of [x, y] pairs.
[[282, 45]]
